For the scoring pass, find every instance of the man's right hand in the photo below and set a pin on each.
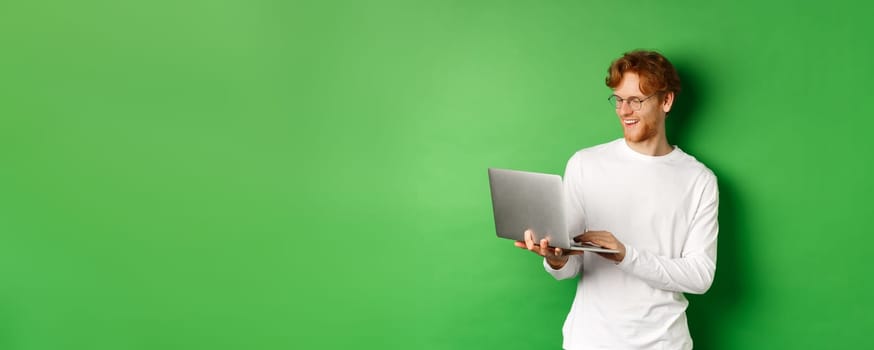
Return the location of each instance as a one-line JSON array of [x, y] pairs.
[[555, 257]]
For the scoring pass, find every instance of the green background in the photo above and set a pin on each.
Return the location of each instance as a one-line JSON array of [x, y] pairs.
[[293, 175]]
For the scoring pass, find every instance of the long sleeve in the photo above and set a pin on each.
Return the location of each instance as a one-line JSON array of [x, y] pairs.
[[569, 270], [694, 271]]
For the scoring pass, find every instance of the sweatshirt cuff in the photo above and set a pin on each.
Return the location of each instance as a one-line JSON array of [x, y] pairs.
[[549, 268]]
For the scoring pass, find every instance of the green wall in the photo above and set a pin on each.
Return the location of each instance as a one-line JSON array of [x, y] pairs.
[[294, 175]]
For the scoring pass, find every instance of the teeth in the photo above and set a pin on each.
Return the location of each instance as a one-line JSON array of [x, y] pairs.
[[629, 121]]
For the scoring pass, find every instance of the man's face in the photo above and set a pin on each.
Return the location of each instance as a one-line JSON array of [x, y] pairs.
[[649, 122]]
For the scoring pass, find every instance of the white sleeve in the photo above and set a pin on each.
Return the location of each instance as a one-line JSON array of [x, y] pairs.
[[569, 270], [693, 272]]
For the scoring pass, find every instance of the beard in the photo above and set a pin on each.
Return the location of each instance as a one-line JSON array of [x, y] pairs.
[[643, 131]]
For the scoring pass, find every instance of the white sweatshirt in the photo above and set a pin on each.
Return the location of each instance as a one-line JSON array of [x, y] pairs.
[[664, 209]]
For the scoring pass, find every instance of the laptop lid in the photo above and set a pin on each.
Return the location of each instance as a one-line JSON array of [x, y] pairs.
[[523, 200]]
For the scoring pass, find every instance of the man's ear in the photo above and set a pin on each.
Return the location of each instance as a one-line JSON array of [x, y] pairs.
[[668, 101]]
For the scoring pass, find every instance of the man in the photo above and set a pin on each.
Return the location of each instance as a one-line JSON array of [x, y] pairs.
[[650, 201]]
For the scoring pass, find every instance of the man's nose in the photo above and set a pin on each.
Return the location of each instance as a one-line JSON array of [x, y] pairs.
[[625, 108]]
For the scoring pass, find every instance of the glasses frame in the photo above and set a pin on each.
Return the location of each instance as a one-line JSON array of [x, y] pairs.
[[617, 101]]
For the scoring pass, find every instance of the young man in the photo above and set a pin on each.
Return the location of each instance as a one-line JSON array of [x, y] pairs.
[[653, 203]]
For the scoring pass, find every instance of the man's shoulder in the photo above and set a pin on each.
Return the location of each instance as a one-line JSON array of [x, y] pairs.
[[597, 151], [695, 166]]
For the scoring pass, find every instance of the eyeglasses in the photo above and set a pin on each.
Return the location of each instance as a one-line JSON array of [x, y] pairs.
[[633, 102]]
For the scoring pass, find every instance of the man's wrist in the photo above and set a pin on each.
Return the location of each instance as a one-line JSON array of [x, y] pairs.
[[556, 264]]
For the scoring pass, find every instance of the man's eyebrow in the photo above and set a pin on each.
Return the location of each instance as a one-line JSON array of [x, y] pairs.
[[629, 97]]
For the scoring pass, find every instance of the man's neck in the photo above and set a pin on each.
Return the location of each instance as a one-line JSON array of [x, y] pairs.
[[656, 147]]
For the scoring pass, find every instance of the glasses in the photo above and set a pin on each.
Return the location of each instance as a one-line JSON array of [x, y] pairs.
[[633, 102]]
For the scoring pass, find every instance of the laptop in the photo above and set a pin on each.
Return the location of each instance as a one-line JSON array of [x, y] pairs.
[[525, 200]]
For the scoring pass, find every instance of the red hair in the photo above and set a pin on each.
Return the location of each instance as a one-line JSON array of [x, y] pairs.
[[657, 74]]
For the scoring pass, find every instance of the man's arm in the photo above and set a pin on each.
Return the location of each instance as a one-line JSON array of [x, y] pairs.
[[694, 271]]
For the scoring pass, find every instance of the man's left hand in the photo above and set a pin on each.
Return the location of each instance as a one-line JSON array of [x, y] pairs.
[[604, 239]]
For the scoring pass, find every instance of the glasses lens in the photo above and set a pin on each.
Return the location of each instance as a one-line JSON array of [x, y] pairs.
[[634, 104], [615, 102]]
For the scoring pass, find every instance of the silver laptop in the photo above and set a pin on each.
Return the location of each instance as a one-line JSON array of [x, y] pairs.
[[524, 200]]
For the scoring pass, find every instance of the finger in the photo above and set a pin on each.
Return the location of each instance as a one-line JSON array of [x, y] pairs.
[[529, 241], [605, 239], [592, 241], [519, 244], [601, 243], [544, 247], [558, 252], [593, 236]]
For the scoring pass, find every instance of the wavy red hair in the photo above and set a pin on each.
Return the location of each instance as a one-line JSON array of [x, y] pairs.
[[657, 74]]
